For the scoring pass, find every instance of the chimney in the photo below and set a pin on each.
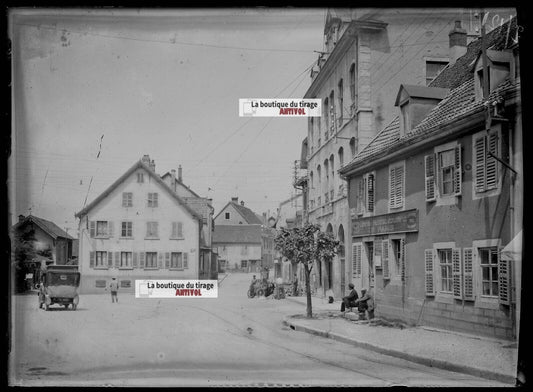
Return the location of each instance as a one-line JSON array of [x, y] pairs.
[[457, 42], [180, 174], [152, 165], [146, 160], [242, 203], [21, 218], [235, 199]]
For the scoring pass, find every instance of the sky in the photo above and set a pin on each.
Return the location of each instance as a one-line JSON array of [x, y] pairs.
[[95, 90]]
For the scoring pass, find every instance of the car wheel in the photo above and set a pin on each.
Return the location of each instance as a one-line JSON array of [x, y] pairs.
[[260, 292]]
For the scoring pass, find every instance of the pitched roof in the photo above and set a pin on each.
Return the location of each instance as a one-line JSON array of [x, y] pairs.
[[167, 174], [200, 205], [138, 165], [49, 227], [237, 234], [421, 92], [249, 216]]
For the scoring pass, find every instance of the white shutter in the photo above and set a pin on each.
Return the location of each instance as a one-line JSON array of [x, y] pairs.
[[468, 274], [504, 277], [360, 195], [429, 161], [117, 259], [392, 183], [92, 229], [180, 229], [160, 260], [491, 170], [458, 172], [479, 163], [385, 259], [356, 260], [456, 273], [91, 259], [174, 230], [430, 278], [370, 193], [185, 260], [399, 187], [110, 229]]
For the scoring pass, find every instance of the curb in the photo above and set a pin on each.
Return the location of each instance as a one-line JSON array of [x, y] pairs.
[[437, 363]]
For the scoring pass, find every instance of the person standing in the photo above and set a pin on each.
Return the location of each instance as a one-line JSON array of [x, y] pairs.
[[113, 287], [350, 300]]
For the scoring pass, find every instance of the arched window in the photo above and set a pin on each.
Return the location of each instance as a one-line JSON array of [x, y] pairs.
[[318, 174], [341, 157], [353, 91], [352, 146], [311, 185], [332, 166], [326, 116]]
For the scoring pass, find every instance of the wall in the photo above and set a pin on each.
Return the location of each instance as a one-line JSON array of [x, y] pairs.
[[111, 209], [235, 217], [232, 253]]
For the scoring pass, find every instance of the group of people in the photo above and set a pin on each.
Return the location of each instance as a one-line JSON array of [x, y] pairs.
[[364, 304]]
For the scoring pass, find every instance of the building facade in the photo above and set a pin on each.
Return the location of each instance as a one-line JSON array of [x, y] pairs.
[[239, 247], [138, 228], [368, 54], [437, 195]]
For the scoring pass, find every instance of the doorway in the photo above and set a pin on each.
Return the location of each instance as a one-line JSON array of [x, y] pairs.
[[370, 258]]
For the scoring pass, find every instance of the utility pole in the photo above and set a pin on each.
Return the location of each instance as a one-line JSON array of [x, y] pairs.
[[484, 58]]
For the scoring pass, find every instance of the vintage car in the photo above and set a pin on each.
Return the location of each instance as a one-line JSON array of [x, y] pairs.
[[59, 285]]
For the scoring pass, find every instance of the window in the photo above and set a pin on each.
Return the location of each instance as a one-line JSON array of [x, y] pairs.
[[151, 260], [353, 91], [341, 157], [176, 260], [365, 194], [311, 179], [397, 255], [433, 68], [101, 228], [151, 230], [125, 259], [404, 111], [443, 172], [101, 259], [352, 146], [446, 276], [127, 199], [227, 216], [125, 283], [177, 230], [486, 167], [446, 170], [341, 102], [396, 186], [140, 177], [331, 126], [127, 229], [244, 263], [326, 117], [152, 199], [488, 260]]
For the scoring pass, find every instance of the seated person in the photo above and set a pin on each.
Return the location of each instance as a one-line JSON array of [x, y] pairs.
[[252, 285], [350, 300], [365, 303]]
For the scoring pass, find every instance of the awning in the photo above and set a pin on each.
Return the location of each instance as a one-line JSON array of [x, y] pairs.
[[513, 250]]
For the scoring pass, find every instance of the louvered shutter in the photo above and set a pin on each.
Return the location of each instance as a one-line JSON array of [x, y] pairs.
[[429, 161], [392, 183], [185, 260], [180, 229], [141, 260], [491, 171], [479, 157], [124, 199], [109, 259], [385, 259], [468, 274], [458, 172], [92, 229], [174, 230], [117, 259], [156, 202], [360, 195], [504, 277], [402, 259], [399, 187], [91, 259], [160, 260], [134, 257], [356, 260], [430, 278], [457, 273], [110, 229], [167, 260], [370, 193]]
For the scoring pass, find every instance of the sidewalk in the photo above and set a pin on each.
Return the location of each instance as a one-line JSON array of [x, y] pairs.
[[478, 356]]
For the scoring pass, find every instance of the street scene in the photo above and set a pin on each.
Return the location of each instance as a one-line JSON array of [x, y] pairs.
[[266, 197]]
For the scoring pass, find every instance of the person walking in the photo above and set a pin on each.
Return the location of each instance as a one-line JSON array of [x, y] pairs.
[[350, 300], [113, 287]]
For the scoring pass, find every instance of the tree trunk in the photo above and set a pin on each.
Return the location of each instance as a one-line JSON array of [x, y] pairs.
[[308, 292]]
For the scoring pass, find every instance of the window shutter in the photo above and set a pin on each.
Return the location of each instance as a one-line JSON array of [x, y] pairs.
[[385, 259], [392, 182], [458, 172], [92, 230], [91, 259], [456, 273], [160, 260], [180, 229], [399, 187], [429, 161], [110, 228], [504, 276], [360, 193], [479, 147], [430, 279], [185, 260], [491, 170], [117, 259], [174, 230], [356, 260], [109, 259], [124, 200], [156, 229], [141, 258], [134, 259], [468, 274], [167, 260], [402, 260], [370, 193], [155, 200]]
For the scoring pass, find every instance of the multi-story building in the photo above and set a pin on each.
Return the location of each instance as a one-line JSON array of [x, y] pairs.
[[368, 53], [438, 193], [141, 228]]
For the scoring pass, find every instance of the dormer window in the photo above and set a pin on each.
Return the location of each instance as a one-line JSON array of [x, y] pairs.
[[498, 68], [404, 116]]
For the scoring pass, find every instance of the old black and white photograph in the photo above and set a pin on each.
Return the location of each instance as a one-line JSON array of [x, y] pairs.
[[265, 197]]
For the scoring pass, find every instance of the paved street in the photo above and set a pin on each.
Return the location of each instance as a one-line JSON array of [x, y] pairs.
[[231, 340]]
